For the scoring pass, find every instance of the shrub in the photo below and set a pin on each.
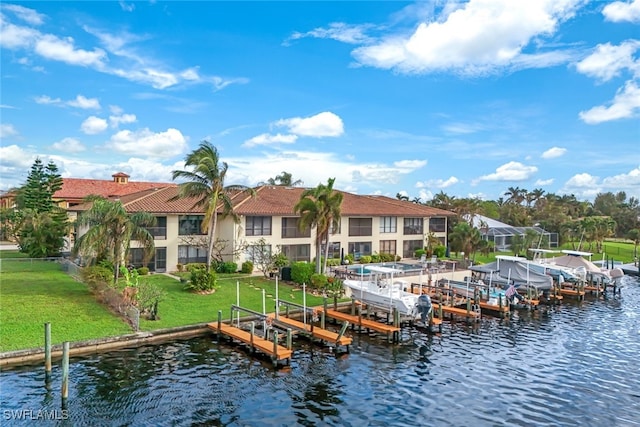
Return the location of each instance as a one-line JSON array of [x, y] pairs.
[[375, 258], [180, 267], [227, 267], [195, 266], [143, 271], [318, 281], [440, 251], [419, 252], [333, 262], [149, 296], [365, 259], [202, 280], [247, 267], [301, 272], [349, 257], [385, 257], [97, 275]]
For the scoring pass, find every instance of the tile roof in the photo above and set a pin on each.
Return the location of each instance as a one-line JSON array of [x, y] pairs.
[[79, 188], [275, 200]]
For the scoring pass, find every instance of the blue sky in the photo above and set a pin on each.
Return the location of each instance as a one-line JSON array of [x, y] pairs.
[[469, 98]]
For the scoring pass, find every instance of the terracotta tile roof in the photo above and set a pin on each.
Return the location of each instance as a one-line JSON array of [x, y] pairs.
[[274, 200], [79, 188]]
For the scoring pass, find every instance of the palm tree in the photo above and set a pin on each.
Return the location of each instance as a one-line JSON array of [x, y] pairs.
[[110, 232], [320, 208], [205, 183], [285, 179]]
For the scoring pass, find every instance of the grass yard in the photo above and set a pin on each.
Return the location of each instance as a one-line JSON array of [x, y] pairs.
[[33, 293], [184, 308]]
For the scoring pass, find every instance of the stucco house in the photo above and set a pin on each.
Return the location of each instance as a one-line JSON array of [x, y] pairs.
[[369, 224]]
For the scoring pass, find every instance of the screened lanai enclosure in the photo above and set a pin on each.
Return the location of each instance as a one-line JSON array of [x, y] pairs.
[[502, 234]]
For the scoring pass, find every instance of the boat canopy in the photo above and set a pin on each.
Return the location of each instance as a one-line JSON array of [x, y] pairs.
[[519, 270]]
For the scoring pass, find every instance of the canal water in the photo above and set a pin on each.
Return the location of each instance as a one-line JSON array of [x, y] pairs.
[[576, 364]]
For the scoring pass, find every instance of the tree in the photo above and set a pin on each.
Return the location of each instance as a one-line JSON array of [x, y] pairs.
[[110, 230], [465, 238], [285, 179], [37, 223], [320, 208], [634, 234], [205, 183]]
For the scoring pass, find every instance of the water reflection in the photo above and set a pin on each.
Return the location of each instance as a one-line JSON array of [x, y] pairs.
[[572, 364]]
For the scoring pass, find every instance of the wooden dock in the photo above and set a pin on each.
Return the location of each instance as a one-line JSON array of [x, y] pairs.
[[270, 348], [391, 331], [312, 330], [457, 311]]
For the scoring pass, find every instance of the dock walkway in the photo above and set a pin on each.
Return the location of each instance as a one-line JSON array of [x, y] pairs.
[[271, 349], [310, 329], [463, 312]]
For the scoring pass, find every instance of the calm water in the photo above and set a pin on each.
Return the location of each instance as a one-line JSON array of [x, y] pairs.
[[570, 365]]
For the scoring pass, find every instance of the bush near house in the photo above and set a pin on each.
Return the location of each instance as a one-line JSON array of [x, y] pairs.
[[301, 272]]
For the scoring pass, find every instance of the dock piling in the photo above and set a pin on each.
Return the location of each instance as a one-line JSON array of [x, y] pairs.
[[65, 373], [47, 350]]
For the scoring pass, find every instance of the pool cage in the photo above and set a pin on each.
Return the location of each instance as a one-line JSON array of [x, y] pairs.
[[503, 236]]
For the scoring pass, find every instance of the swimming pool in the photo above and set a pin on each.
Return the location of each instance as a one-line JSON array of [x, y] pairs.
[[405, 267]]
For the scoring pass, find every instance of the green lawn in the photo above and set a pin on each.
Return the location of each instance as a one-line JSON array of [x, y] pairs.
[[184, 308], [35, 292], [32, 293]]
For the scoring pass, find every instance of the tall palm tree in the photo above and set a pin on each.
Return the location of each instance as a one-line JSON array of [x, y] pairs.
[[320, 208], [204, 181], [285, 179], [110, 232]]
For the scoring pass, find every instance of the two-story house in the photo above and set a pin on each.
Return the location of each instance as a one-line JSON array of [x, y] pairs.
[[369, 224]]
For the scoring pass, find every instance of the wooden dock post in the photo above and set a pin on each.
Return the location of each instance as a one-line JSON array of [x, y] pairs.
[[275, 348], [323, 316], [219, 334], [251, 333], [47, 350], [65, 373], [345, 325], [289, 339]]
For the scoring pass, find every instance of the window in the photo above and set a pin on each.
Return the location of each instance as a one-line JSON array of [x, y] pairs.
[[360, 226], [388, 224], [158, 262], [258, 253], [388, 247], [290, 229], [189, 254], [413, 225], [437, 225], [297, 252], [160, 230], [190, 224], [359, 248], [258, 226], [334, 249], [409, 247]]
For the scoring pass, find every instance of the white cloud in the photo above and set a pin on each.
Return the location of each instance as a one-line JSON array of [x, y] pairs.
[[93, 125], [127, 7], [69, 145], [554, 152], [543, 182], [410, 164], [52, 47], [268, 139], [47, 100], [353, 34], [478, 37], [320, 125], [438, 183], [85, 103], [30, 16], [619, 11], [629, 180], [117, 120], [14, 36], [7, 130], [149, 144], [607, 60], [512, 171], [626, 104]]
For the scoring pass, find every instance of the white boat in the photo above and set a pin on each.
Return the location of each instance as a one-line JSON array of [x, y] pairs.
[[378, 287], [580, 264]]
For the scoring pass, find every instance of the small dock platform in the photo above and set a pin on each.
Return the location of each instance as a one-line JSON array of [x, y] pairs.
[[457, 311], [391, 331], [312, 330], [272, 349]]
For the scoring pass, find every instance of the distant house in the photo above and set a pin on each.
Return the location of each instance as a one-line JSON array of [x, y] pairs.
[[502, 234], [369, 224]]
